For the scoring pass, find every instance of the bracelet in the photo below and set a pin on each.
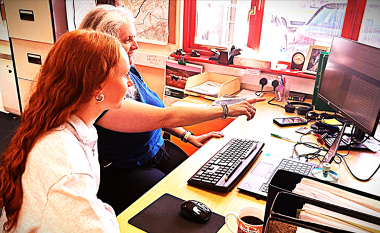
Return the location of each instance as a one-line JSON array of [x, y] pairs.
[[225, 111], [186, 135]]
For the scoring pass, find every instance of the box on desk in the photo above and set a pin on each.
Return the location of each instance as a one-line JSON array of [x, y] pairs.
[[212, 85], [282, 203]]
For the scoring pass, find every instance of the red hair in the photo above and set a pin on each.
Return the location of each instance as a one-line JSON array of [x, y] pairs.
[[78, 63]]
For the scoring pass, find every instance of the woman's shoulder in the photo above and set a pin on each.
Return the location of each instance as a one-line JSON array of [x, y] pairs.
[[58, 147]]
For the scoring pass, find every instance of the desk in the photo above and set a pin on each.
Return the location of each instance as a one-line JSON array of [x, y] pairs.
[[259, 128]]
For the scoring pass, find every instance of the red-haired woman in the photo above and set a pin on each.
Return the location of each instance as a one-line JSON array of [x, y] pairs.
[[49, 175]]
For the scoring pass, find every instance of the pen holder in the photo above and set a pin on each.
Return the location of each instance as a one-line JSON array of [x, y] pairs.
[[282, 92]]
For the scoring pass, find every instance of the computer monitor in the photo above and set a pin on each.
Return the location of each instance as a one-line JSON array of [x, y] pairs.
[[351, 83]]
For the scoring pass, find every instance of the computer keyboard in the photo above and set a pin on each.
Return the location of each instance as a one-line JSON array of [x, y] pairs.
[[291, 165], [227, 166], [343, 145]]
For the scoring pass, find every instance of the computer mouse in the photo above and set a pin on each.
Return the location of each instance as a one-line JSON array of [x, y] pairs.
[[195, 210]]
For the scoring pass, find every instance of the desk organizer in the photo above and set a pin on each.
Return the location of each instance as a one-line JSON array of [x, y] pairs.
[[229, 84], [285, 181]]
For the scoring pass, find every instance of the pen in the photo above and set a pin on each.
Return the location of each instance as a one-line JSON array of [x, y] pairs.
[[278, 136]]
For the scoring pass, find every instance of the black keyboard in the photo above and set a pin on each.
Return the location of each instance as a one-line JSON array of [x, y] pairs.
[[343, 145], [292, 165], [227, 166]]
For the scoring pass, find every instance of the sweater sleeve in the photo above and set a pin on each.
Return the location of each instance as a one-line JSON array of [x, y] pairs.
[[73, 199]]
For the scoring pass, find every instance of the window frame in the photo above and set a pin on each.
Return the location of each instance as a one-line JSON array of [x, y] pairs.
[[350, 30]]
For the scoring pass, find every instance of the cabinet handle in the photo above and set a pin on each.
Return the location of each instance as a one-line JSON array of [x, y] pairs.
[[27, 15], [34, 58]]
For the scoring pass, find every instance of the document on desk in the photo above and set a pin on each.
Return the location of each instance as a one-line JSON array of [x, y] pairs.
[[209, 88], [327, 193]]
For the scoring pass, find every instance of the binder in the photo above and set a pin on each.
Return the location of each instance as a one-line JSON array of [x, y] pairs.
[[318, 103], [286, 204], [285, 181]]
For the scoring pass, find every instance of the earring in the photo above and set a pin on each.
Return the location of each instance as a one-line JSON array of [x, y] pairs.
[[99, 97]]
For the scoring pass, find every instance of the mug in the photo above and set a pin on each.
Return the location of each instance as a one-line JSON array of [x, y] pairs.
[[249, 220]]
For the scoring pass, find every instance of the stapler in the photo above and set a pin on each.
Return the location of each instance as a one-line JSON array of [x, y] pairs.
[[215, 55]]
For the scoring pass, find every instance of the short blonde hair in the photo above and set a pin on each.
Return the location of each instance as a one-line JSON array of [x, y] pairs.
[[107, 19]]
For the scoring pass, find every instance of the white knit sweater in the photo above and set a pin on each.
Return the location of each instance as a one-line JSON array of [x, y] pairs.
[[60, 184]]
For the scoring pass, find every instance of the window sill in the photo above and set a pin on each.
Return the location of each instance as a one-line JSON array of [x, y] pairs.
[[289, 72]]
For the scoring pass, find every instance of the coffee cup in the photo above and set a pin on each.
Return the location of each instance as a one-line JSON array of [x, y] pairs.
[[249, 220]]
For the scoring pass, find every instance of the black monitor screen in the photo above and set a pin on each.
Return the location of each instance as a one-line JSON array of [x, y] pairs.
[[351, 83]]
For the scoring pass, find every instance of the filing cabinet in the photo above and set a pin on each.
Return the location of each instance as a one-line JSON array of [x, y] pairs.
[[33, 27], [8, 86], [28, 57], [29, 20], [25, 88]]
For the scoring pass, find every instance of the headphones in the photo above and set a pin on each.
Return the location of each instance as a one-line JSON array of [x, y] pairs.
[[291, 107]]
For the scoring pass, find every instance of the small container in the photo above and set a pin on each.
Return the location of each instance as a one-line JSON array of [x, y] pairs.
[[282, 92]]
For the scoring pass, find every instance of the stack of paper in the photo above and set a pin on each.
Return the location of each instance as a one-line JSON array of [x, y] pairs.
[[209, 88], [336, 196], [315, 214]]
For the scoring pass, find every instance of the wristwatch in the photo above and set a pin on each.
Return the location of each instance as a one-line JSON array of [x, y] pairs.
[[186, 135]]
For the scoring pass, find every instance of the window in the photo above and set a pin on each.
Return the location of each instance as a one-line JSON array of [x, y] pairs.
[[370, 28], [278, 28]]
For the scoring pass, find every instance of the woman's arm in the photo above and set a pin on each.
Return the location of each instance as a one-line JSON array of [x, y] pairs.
[[79, 208], [136, 117], [195, 140]]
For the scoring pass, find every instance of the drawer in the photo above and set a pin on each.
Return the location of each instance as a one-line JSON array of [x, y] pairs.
[[28, 57], [29, 20], [25, 88]]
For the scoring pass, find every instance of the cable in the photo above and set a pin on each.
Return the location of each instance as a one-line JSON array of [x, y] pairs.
[[270, 102], [338, 158], [365, 180], [259, 92]]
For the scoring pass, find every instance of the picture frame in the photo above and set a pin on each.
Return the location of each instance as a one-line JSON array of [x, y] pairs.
[[311, 61]]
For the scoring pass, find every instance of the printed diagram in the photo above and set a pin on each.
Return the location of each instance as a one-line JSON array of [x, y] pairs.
[[151, 20]]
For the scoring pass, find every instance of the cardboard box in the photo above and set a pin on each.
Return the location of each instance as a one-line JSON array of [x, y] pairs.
[[228, 84]]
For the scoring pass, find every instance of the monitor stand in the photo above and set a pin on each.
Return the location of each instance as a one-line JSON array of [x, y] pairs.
[[358, 135], [323, 171]]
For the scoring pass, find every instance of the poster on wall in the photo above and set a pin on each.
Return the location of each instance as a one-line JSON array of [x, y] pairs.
[[151, 20]]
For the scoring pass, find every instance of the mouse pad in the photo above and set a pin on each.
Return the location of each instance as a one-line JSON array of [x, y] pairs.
[[164, 215]]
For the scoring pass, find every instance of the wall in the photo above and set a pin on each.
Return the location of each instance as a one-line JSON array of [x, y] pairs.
[[150, 60], [153, 74]]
